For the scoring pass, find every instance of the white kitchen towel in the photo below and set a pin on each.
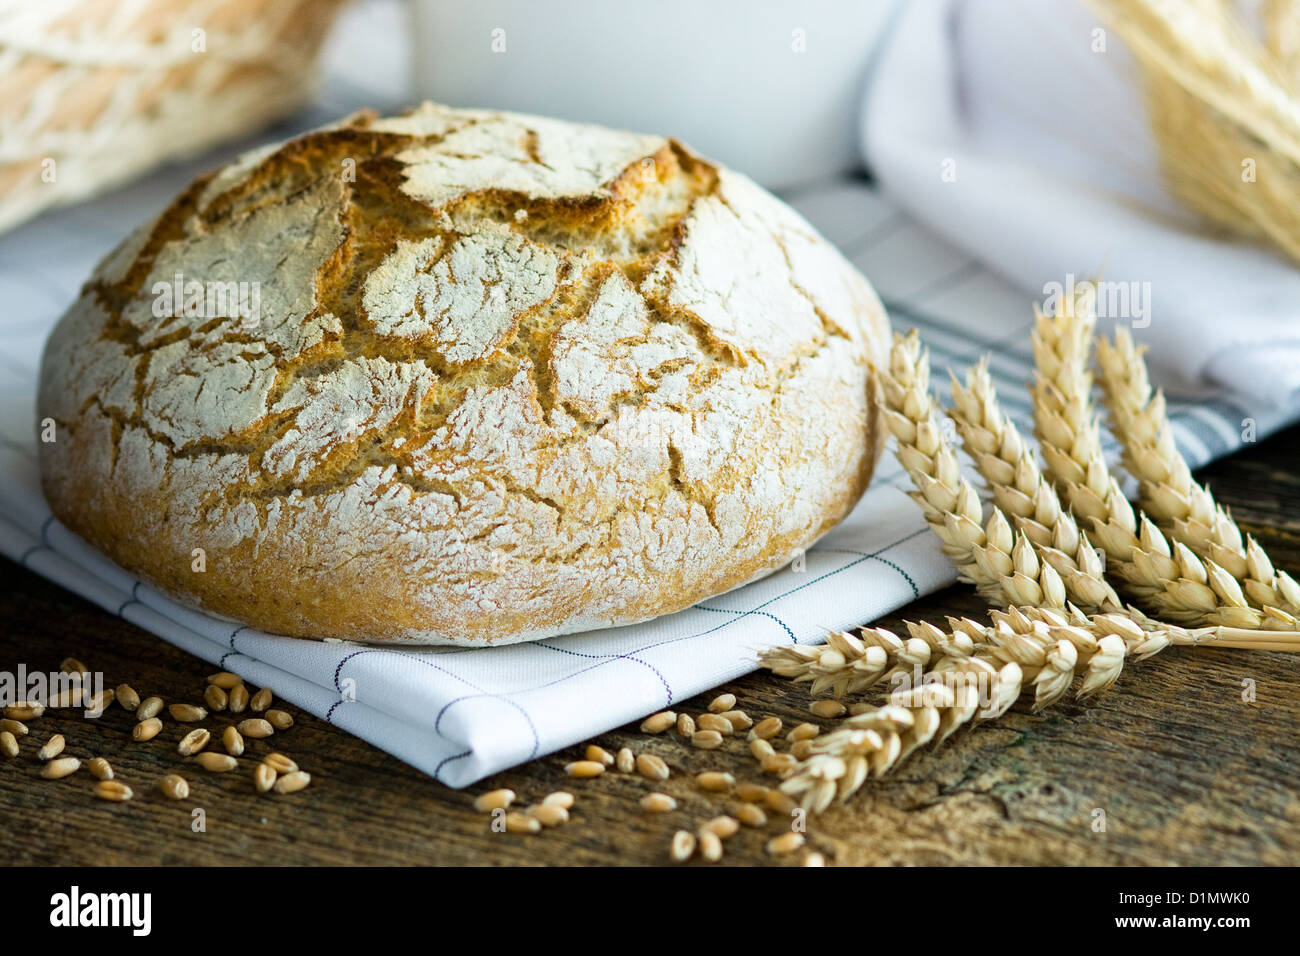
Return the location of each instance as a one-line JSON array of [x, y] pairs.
[[1018, 132], [462, 714]]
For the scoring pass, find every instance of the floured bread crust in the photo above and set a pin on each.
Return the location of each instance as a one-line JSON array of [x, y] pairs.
[[509, 378]]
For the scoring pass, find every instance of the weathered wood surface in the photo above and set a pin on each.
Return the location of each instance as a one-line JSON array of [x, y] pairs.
[[1185, 771]]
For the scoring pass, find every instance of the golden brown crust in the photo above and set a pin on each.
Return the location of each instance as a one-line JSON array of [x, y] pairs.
[[511, 378]]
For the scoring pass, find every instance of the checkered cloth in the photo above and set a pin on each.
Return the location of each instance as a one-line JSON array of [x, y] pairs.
[[461, 714]]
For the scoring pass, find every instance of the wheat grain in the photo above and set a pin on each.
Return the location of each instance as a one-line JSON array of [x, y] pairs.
[[60, 767], [149, 708], [706, 739], [292, 782], [24, 710], [187, 713], [584, 768], [279, 719], [658, 723], [113, 790], [761, 749], [100, 768], [682, 846], [518, 822], [238, 700], [260, 701], [751, 792], [225, 680], [280, 763], [766, 729], [651, 767], [233, 741], [127, 698], [494, 800], [548, 814], [715, 780], [658, 803], [625, 761], [52, 748], [255, 727], [215, 762], [750, 815], [560, 798], [8, 744], [264, 777], [15, 727], [721, 703], [193, 742], [785, 844], [723, 827], [216, 698], [146, 729], [175, 787], [827, 709], [600, 755], [709, 845], [715, 722]]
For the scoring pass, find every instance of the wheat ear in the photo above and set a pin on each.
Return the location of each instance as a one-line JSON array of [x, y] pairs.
[[1167, 577], [1037, 650], [1020, 491], [1003, 565], [1167, 491]]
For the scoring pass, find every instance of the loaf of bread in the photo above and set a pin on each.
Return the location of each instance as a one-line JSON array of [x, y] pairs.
[[462, 377]]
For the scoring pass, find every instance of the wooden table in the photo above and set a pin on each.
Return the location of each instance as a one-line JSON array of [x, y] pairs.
[[1185, 771]]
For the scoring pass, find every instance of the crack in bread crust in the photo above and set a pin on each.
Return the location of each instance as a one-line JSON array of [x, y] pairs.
[[511, 378]]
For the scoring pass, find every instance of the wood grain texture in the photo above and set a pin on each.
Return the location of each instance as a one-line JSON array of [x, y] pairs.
[[1185, 771]]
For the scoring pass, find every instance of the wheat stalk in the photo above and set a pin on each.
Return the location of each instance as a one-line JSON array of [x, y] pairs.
[[1004, 566], [1036, 650], [1167, 491], [1169, 577], [1019, 490]]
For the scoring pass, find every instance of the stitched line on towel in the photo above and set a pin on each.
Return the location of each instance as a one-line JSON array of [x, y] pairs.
[[916, 592], [437, 771], [727, 610], [131, 600], [604, 659], [338, 676]]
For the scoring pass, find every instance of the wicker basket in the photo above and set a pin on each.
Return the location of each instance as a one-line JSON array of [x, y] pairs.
[[93, 92]]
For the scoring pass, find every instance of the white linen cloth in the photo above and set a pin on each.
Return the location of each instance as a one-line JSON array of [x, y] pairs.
[[459, 714], [1056, 172]]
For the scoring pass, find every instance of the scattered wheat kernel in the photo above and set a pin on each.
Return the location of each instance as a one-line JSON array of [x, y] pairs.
[[722, 702], [600, 755], [255, 727], [549, 815], [149, 707], [193, 742], [685, 724], [8, 744], [53, 747], [779, 764], [237, 699], [224, 680], [494, 800], [114, 790], [292, 782], [706, 739], [101, 701], [174, 786], [710, 846], [651, 767], [861, 707], [801, 750], [827, 709], [761, 749], [216, 698], [70, 665], [279, 719], [233, 741], [738, 719], [750, 815], [517, 822], [814, 859], [214, 762], [100, 768], [263, 777], [279, 763], [751, 792], [682, 846], [260, 701], [803, 732], [15, 727], [187, 713], [658, 803], [584, 768], [658, 723], [60, 767], [625, 761], [719, 725], [766, 729], [715, 780], [127, 697], [780, 802], [24, 710], [784, 844], [560, 798], [147, 729], [723, 827]]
